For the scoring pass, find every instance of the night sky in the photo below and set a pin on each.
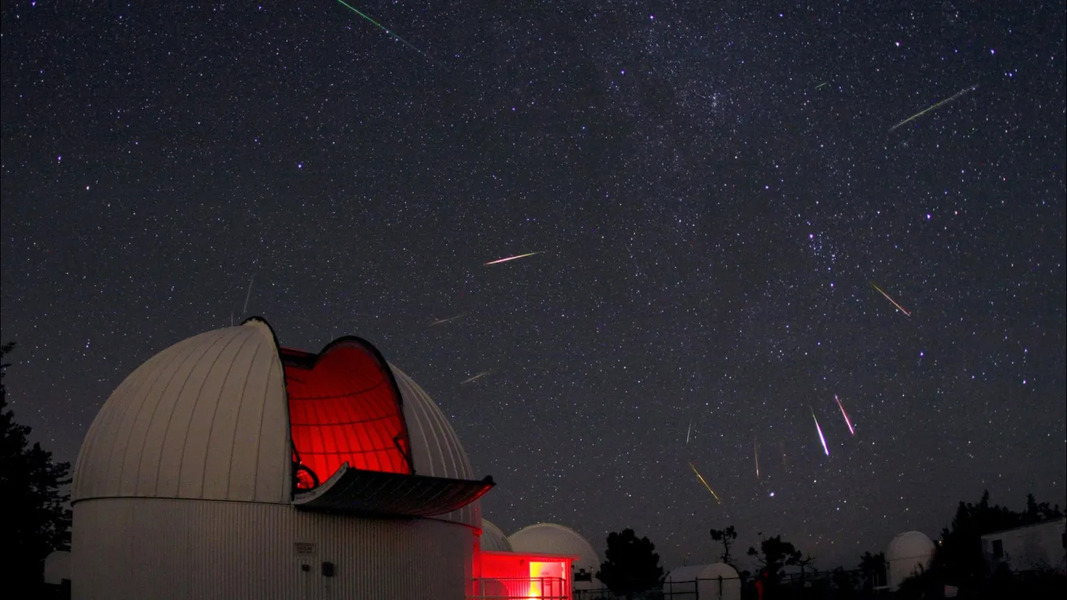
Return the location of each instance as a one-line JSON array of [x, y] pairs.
[[716, 193]]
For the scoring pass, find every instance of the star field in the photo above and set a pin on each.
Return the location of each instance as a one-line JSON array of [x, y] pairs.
[[713, 193]]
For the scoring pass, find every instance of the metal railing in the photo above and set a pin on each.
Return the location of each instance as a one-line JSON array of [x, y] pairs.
[[519, 588]]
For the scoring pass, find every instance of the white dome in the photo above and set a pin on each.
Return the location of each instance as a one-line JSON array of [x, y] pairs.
[[702, 581], [712, 571], [908, 554], [550, 538], [493, 538], [910, 545], [208, 418]]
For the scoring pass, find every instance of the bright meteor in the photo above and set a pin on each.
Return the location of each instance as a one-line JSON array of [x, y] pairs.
[[474, 378], [447, 320], [819, 429], [899, 307], [702, 480], [516, 257], [935, 106], [383, 28], [845, 414]]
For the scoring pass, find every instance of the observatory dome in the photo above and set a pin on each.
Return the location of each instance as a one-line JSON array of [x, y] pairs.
[[550, 538], [703, 581], [227, 466], [220, 416], [493, 538], [908, 553]]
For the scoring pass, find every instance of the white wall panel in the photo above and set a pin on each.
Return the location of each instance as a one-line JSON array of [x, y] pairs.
[[163, 549]]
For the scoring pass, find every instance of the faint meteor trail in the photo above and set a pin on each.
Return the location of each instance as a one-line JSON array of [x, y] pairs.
[[845, 414], [516, 257], [819, 429], [383, 28], [702, 480], [447, 320], [244, 311], [934, 106], [899, 307], [687, 432], [755, 451], [474, 378]]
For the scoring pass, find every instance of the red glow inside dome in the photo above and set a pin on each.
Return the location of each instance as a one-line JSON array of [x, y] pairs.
[[344, 406]]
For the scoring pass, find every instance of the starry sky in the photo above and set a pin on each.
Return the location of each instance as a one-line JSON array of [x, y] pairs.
[[726, 203]]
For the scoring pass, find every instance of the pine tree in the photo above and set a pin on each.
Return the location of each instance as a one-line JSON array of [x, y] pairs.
[[632, 565], [36, 517]]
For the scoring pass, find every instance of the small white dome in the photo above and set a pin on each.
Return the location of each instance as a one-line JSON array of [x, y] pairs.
[[910, 545], [909, 553], [493, 538], [550, 538], [702, 581]]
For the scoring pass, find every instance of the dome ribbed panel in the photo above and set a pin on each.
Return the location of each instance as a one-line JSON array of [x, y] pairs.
[[344, 409], [493, 538], [205, 418], [435, 448]]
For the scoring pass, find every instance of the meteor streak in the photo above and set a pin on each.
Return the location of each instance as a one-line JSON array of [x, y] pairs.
[[383, 28], [516, 257], [845, 414], [934, 106], [474, 378], [248, 295], [899, 307], [687, 432], [702, 480], [447, 319], [755, 451], [819, 429]]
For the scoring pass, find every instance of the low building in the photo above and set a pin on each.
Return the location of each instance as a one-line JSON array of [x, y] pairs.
[[559, 540], [1038, 547]]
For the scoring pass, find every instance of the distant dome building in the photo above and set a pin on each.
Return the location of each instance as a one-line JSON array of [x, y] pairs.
[[550, 538], [908, 554], [227, 466], [493, 538], [717, 581]]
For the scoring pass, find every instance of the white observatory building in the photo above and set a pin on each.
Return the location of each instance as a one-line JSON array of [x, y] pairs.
[[909, 553], [229, 467], [555, 539]]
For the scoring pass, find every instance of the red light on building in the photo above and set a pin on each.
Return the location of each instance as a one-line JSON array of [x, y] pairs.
[[521, 576]]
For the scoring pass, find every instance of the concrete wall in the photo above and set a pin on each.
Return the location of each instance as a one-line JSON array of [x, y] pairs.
[[157, 548]]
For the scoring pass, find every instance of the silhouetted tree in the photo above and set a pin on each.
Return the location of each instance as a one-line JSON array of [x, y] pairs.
[[632, 565], [726, 536], [958, 560], [1039, 513], [872, 567], [773, 556], [35, 518], [843, 583], [959, 557]]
